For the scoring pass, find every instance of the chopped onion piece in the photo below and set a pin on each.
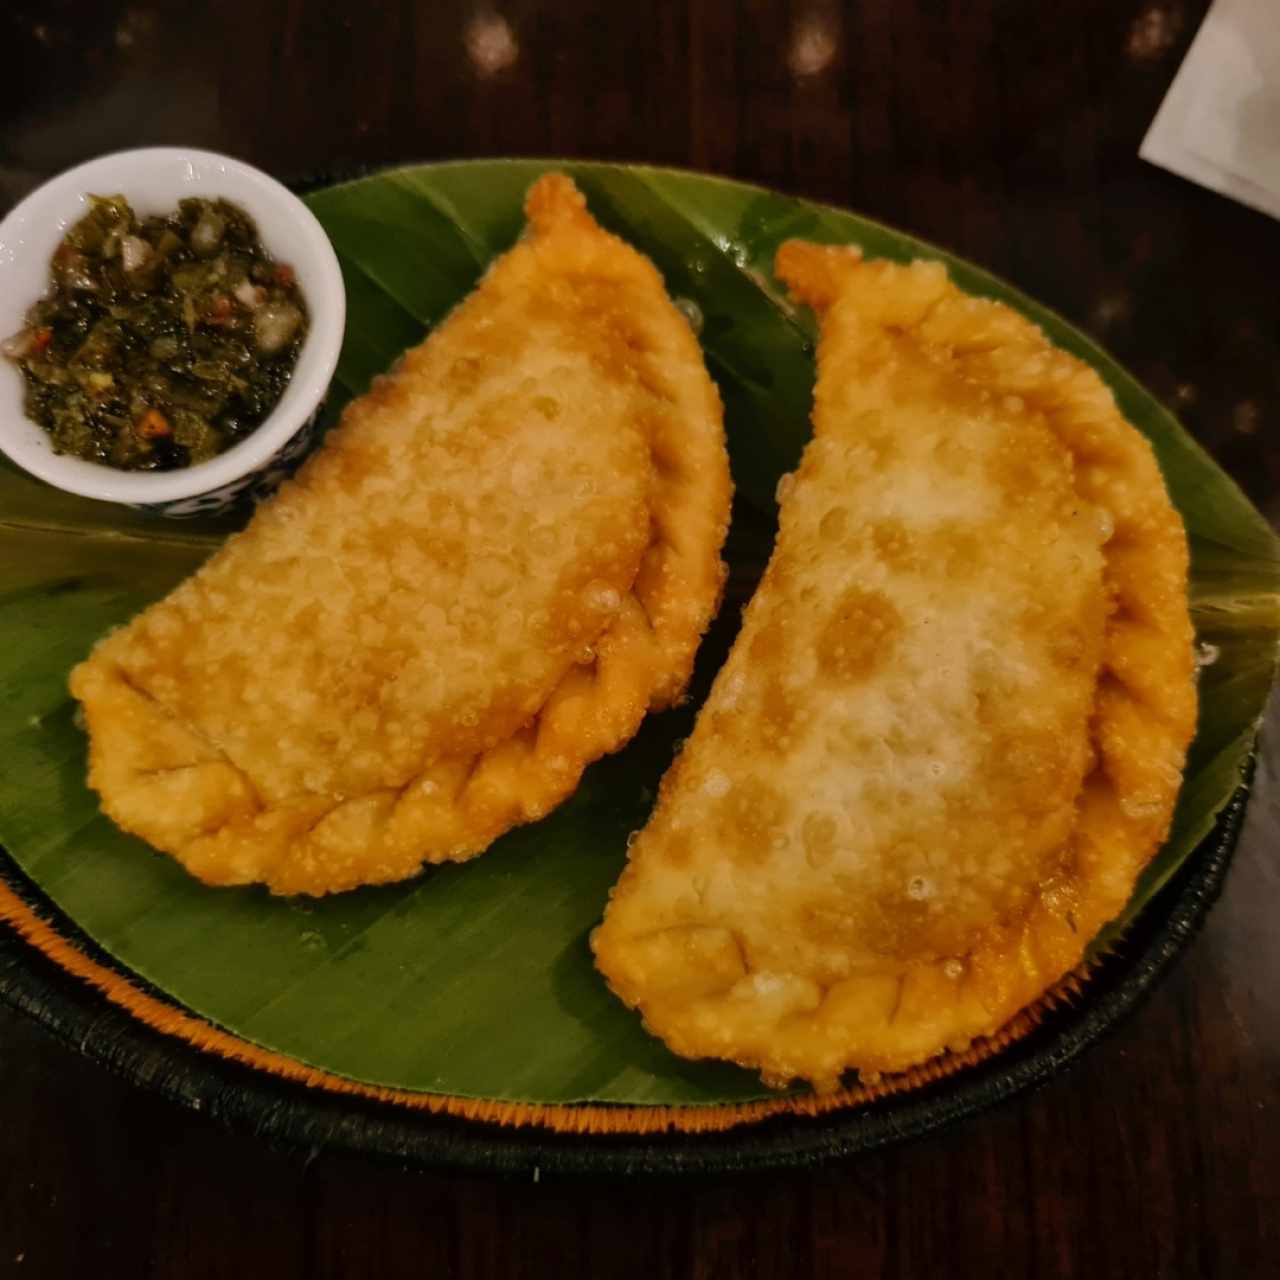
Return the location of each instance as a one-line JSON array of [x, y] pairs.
[[134, 252], [275, 325], [250, 295], [207, 234]]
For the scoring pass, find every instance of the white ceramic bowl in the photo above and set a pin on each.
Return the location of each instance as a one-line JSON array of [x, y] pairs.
[[153, 181]]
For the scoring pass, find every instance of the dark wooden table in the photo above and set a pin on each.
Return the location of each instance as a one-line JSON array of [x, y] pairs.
[[1006, 131]]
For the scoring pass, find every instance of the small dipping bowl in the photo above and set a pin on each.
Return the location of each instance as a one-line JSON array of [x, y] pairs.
[[153, 181]]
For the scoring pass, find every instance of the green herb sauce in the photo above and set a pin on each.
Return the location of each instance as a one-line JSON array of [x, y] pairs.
[[162, 341]]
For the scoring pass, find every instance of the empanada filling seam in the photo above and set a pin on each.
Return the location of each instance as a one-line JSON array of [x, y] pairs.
[[188, 727]]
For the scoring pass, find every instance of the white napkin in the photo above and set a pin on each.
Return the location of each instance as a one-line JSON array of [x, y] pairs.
[[1219, 124]]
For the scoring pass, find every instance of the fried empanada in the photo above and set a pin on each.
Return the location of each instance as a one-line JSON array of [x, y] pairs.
[[951, 731], [504, 554]]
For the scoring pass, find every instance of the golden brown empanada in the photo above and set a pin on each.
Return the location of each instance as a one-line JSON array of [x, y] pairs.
[[951, 731], [505, 553]]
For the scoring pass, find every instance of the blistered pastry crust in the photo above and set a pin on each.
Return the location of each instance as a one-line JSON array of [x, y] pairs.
[[951, 732]]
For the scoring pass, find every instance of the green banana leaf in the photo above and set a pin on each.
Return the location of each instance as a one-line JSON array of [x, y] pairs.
[[476, 980]]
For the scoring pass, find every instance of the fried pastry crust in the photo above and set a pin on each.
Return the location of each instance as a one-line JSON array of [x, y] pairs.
[[951, 731], [504, 554]]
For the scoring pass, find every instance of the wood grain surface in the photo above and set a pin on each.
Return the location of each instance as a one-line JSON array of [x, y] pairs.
[[1005, 130]]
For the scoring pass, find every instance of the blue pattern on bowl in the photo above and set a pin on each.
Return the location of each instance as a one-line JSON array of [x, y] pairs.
[[251, 488]]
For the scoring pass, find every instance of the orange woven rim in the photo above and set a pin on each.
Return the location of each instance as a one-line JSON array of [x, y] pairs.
[[568, 1118]]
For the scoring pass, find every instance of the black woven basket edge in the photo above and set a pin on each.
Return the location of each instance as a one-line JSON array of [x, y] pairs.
[[293, 1116]]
